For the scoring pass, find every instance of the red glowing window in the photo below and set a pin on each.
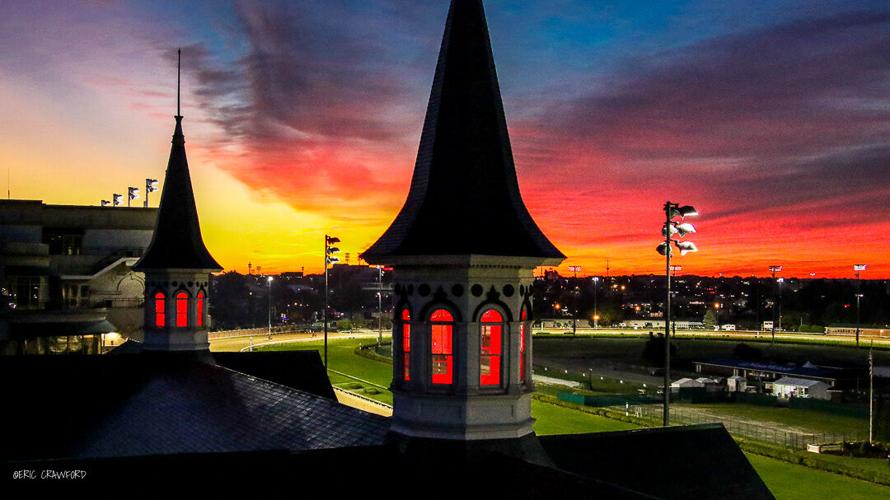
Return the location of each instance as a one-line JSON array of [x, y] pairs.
[[491, 333], [199, 308], [182, 309], [160, 312], [406, 343], [442, 330], [523, 317]]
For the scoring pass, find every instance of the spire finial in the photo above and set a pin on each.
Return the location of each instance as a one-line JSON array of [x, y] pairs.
[[178, 72]]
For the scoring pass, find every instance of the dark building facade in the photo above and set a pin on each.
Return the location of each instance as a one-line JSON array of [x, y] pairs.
[[67, 278]]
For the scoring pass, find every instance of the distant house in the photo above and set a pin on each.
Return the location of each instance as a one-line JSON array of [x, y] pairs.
[[787, 387]]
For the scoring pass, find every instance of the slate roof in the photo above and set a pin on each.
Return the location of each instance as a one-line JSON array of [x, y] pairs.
[[464, 197], [700, 461], [155, 404], [177, 241]]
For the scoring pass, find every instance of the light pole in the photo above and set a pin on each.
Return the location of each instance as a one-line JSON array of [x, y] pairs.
[[379, 305], [151, 185], [269, 283], [858, 268], [329, 258], [681, 229], [596, 316], [871, 394], [575, 270], [776, 298]]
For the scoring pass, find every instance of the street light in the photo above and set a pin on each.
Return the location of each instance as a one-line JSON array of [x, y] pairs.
[[858, 268], [776, 299], [329, 251], [575, 270], [596, 316], [269, 282], [680, 229]]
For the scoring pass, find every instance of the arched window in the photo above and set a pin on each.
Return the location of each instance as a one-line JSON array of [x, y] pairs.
[[441, 346], [199, 309], [523, 317], [406, 344], [490, 342], [160, 311], [182, 309]]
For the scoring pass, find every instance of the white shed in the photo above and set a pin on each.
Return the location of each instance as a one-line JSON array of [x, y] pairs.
[[736, 383], [685, 383], [787, 387]]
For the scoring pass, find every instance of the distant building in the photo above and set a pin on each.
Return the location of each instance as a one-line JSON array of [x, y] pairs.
[[766, 373], [66, 275], [659, 324], [847, 330], [787, 387]]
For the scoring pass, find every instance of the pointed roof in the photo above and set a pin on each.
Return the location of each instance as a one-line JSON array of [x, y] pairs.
[[464, 197], [177, 241]]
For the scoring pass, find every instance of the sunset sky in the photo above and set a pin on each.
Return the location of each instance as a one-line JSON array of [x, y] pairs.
[[771, 117]]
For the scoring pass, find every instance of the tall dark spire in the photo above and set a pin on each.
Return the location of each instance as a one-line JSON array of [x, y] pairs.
[[464, 196], [177, 241]]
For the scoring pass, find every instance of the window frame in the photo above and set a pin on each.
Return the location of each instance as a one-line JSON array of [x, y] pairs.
[[181, 316], [160, 313], [495, 330], [405, 323], [449, 356], [200, 306]]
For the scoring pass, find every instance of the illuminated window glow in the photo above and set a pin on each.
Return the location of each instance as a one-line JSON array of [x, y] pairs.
[[491, 333], [160, 312], [199, 309], [406, 344], [442, 330], [523, 317], [182, 309]]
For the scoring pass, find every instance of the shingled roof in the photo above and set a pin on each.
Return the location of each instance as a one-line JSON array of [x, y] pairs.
[[177, 241], [146, 405], [464, 197]]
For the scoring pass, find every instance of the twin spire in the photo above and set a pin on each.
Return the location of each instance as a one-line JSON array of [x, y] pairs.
[[464, 197], [177, 242]]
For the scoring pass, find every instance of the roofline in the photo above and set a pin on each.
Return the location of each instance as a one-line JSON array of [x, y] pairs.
[[462, 260]]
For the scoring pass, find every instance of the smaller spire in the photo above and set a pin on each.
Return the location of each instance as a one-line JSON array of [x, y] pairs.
[[177, 241], [178, 73]]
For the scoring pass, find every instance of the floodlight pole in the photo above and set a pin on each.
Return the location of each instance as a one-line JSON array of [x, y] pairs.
[[324, 313], [667, 314], [574, 270], [596, 315], [776, 298], [269, 281], [871, 395], [379, 305], [858, 299]]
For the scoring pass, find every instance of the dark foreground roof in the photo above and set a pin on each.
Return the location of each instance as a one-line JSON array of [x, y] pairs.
[[693, 462], [177, 241], [464, 197], [699, 461], [142, 405]]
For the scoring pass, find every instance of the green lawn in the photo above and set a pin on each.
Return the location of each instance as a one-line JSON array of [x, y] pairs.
[[342, 358], [796, 482], [786, 481], [812, 420], [552, 419]]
